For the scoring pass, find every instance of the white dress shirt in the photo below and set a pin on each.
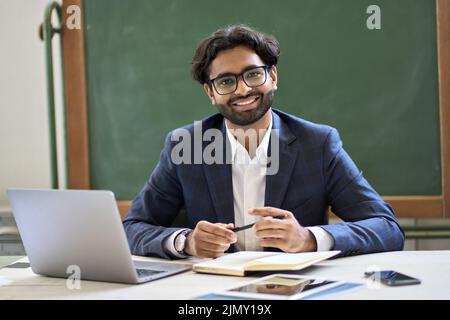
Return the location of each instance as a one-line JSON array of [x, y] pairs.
[[249, 186]]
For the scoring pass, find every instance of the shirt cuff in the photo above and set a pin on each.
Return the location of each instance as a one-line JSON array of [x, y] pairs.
[[169, 245], [324, 240]]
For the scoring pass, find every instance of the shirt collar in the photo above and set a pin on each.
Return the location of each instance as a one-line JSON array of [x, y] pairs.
[[261, 150]]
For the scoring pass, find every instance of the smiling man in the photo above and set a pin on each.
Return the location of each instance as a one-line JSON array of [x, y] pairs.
[[289, 207]]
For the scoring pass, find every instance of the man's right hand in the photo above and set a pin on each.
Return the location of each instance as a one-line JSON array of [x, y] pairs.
[[210, 240]]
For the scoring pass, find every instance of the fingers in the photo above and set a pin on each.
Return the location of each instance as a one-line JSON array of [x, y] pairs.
[[226, 225], [270, 211], [281, 233], [216, 229], [273, 243], [271, 223], [202, 253], [211, 240], [271, 233], [214, 247], [268, 221]]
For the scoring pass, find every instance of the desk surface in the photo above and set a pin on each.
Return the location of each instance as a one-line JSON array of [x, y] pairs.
[[430, 266]]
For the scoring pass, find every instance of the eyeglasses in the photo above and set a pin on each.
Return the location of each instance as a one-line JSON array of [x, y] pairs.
[[228, 83]]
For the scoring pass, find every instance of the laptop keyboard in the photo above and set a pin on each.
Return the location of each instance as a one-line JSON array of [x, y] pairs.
[[147, 272]]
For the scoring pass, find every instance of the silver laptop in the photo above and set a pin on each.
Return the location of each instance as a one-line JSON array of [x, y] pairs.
[[67, 230]]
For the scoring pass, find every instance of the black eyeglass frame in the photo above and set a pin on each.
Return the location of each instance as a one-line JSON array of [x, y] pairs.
[[239, 75]]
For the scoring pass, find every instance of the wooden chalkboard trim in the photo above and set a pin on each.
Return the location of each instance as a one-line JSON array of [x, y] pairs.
[[123, 206], [443, 50], [77, 119], [416, 206], [404, 206], [76, 102]]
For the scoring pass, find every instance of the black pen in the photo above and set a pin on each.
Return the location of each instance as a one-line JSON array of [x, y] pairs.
[[247, 226]]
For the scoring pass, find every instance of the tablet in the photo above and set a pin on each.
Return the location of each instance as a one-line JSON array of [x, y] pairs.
[[281, 286]]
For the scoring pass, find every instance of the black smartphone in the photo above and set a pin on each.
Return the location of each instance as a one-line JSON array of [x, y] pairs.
[[392, 278]]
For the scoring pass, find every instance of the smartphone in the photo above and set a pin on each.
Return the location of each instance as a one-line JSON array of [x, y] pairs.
[[392, 278]]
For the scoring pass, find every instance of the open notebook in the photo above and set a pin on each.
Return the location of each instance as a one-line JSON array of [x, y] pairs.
[[237, 264]]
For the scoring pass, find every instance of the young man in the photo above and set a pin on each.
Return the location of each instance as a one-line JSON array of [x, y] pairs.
[[288, 205]]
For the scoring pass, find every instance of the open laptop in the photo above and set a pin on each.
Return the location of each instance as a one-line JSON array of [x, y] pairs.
[[61, 229]]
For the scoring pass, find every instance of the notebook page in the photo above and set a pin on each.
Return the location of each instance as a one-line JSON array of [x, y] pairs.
[[235, 260], [288, 259]]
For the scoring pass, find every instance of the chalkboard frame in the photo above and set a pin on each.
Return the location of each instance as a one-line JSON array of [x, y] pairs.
[[436, 206]]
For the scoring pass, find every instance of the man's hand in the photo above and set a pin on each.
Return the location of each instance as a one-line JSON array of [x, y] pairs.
[[210, 240], [286, 234]]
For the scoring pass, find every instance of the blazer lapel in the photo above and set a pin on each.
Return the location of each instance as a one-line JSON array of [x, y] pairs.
[[219, 176], [219, 179], [276, 184]]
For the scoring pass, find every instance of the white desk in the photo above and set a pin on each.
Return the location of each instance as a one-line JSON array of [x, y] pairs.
[[432, 267]]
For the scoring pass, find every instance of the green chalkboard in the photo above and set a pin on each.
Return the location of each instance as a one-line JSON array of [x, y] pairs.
[[377, 87]]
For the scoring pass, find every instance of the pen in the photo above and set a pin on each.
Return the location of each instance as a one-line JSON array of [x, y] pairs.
[[247, 226]]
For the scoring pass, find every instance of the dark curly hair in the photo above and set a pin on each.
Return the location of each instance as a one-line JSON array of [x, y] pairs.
[[266, 47]]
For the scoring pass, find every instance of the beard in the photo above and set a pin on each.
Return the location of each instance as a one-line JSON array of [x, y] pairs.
[[247, 117]]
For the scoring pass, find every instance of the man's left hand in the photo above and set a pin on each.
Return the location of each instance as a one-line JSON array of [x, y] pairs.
[[286, 234]]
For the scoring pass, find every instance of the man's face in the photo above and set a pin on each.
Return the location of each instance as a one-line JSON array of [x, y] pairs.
[[247, 104]]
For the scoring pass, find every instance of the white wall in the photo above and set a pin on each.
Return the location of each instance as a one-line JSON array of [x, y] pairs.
[[24, 146]]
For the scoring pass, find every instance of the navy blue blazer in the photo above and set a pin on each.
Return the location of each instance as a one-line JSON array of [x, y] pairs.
[[314, 173]]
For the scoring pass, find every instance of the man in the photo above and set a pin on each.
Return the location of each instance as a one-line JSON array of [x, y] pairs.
[[237, 68]]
